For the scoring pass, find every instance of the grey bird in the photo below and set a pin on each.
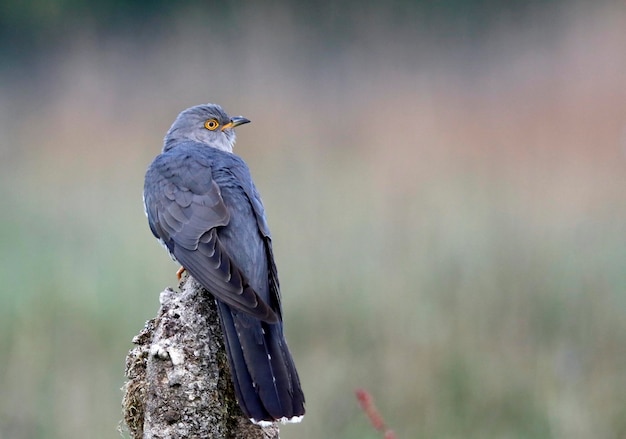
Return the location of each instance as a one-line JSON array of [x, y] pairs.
[[202, 205]]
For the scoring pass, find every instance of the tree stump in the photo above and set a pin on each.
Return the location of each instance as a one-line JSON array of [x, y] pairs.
[[179, 383]]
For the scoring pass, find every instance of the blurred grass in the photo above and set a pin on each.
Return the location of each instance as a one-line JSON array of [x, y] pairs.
[[451, 239]]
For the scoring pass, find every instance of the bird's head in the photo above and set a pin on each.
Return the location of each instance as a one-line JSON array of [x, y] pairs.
[[207, 124]]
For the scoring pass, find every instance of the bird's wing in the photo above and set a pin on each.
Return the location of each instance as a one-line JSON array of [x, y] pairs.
[[259, 213], [185, 208]]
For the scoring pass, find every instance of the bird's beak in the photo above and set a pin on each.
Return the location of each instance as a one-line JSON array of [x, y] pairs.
[[235, 121]]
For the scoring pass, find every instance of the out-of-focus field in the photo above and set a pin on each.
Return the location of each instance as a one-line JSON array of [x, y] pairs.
[[449, 220]]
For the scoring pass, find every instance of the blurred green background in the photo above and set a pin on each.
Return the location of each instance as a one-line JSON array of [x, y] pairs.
[[444, 182]]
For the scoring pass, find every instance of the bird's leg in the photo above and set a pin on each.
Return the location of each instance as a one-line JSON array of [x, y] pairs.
[[180, 272]]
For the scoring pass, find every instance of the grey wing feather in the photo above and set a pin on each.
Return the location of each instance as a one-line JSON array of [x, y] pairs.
[[184, 210], [259, 213]]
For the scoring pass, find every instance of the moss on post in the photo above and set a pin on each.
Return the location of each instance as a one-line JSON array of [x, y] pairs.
[[179, 382]]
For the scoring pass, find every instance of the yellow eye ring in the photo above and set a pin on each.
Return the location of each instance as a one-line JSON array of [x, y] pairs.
[[211, 124]]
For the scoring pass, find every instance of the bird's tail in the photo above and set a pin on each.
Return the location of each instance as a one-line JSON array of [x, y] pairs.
[[264, 375]]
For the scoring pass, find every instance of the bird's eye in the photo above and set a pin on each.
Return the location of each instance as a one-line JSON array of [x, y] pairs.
[[211, 124]]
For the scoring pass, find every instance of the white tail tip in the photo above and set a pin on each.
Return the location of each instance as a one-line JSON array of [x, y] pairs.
[[294, 419]]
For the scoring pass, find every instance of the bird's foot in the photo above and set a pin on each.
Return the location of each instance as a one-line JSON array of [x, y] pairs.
[[180, 272]]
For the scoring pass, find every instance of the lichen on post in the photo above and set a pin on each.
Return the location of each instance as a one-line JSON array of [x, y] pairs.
[[179, 381]]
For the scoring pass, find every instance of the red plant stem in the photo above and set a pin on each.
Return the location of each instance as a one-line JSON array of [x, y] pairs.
[[367, 405]]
